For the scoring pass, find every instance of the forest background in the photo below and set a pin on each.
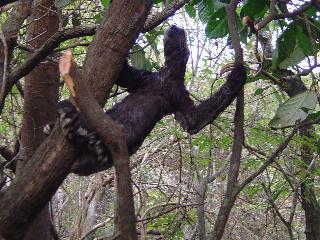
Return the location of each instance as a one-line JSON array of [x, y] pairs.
[[251, 174]]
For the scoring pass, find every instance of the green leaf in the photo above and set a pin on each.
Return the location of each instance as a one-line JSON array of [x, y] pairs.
[[311, 12], [203, 12], [97, 18], [288, 50], [294, 109], [138, 57], [304, 41], [194, 2], [259, 91], [220, 4], [294, 58], [191, 10], [252, 78], [211, 6], [292, 47], [217, 26], [254, 8], [151, 38], [105, 3], [61, 3], [285, 46], [314, 116]]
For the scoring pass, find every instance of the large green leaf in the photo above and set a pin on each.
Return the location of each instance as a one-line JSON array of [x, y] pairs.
[[105, 3], [285, 46], [294, 110], [190, 9], [292, 47], [217, 26], [204, 12], [138, 57], [254, 8], [304, 40]]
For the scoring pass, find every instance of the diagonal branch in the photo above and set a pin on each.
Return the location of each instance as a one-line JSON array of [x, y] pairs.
[[270, 160], [274, 16], [40, 55], [113, 136], [238, 138], [63, 35], [29, 193]]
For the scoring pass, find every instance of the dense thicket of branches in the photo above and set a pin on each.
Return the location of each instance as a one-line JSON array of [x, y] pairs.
[[153, 95], [245, 179]]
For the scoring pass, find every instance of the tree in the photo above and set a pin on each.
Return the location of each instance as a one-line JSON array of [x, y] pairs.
[[262, 169]]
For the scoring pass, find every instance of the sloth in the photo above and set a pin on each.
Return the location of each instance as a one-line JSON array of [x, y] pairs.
[[152, 95]]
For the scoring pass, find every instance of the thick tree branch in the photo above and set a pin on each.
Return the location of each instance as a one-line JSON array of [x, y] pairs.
[[160, 17], [40, 55], [63, 35], [238, 138], [274, 16], [113, 137], [51, 163]]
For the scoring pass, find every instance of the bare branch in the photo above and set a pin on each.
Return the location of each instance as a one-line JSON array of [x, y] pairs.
[[64, 35], [274, 16], [168, 11], [40, 55], [270, 160], [54, 157], [113, 136]]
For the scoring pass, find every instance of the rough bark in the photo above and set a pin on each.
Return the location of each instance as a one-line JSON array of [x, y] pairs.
[[10, 31], [40, 178], [40, 99], [51, 162], [113, 136], [238, 137], [65, 34], [127, 15]]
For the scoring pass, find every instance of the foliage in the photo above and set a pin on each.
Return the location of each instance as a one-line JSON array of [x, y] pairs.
[[169, 168]]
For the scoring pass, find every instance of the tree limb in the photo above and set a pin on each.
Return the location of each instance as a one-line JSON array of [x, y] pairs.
[[238, 138], [113, 137], [63, 35], [274, 16], [51, 162]]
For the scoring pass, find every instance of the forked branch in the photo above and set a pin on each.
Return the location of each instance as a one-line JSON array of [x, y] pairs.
[[113, 136]]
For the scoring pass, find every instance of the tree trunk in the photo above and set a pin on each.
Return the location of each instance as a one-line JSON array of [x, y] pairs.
[[51, 162], [40, 99], [309, 200]]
